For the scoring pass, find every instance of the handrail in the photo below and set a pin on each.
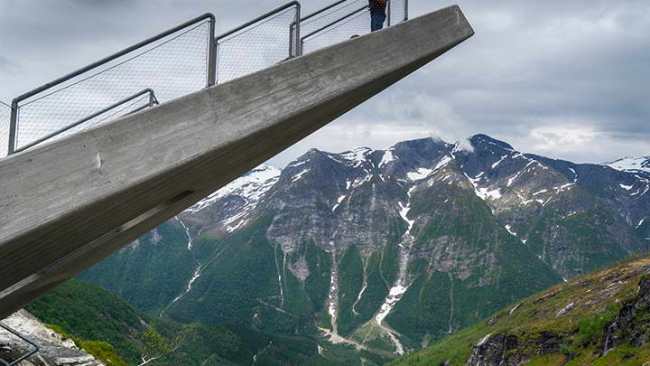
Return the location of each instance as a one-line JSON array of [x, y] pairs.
[[24, 339], [116, 55], [152, 101], [261, 17], [349, 15], [333, 5], [318, 12]]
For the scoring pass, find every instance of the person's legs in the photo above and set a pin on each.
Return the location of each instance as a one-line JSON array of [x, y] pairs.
[[377, 21]]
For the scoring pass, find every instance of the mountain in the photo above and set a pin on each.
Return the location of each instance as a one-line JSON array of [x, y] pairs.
[[597, 319], [364, 255]]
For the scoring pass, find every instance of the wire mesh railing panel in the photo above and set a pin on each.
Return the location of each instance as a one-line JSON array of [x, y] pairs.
[[5, 116], [322, 19], [398, 11], [130, 106], [173, 66], [258, 46], [356, 23]]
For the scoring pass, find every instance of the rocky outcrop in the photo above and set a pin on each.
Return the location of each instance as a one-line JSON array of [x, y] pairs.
[[54, 350], [493, 350], [508, 350], [632, 325]]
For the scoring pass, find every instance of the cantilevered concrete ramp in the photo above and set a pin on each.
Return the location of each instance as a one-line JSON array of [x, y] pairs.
[[67, 205]]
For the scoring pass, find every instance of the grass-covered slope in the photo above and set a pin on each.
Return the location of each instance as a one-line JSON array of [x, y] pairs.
[[100, 322], [110, 329], [597, 319], [151, 272]]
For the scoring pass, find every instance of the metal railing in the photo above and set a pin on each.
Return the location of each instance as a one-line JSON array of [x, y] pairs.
[[28, 354], [344, 19], [146, 95], [273, 36], [5, 116], [174, 63]]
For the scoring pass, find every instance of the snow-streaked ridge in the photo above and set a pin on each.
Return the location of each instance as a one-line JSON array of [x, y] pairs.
[[641, 164], [251, 187]]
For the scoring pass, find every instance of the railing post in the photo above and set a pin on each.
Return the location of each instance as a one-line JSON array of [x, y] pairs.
[[292, 44], [215, 45], [406, 10], [152, 99], [212, 54], [13, 127], [389, 12], [297, 31]]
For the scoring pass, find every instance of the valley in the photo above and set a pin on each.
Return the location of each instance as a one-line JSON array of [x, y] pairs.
[[373, 254]]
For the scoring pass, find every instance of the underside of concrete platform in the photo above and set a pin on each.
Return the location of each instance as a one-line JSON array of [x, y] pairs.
[[69, 204]]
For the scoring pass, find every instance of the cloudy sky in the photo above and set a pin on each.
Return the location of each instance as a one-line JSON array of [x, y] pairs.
[[566, 79]]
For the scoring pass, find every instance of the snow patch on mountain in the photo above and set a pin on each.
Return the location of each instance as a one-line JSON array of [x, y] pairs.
[[187, 233], [564, 187], [629, 164], [333, 295], [419, 174], [627, 188], [404, 210], [495, 165], [401, 284], [300, 175], [575, 175], [338, 202], [485, 193], [387, 158], [361, 180], [356, 157], [423, 173]]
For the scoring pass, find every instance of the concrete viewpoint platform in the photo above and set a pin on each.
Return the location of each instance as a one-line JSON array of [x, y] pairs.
[[66, 205]]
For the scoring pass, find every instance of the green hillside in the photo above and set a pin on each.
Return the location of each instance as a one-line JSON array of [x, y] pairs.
[[598, 319], [111, 330]]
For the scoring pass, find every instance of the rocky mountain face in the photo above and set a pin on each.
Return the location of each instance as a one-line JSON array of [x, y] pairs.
[[597, 319], [383, 252], [53, 349]]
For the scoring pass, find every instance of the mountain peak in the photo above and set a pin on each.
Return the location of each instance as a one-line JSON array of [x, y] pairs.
[[483, 140], [357, 154], [419, 144]]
